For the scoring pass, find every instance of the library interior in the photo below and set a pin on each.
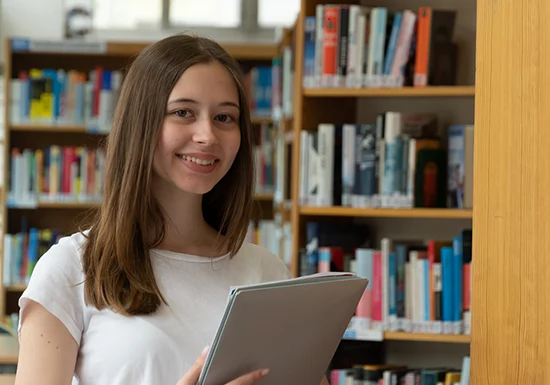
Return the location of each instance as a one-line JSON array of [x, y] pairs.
[[450, 231]]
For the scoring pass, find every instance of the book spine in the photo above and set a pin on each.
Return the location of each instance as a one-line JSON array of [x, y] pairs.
[[309, 52], [326, 135], [343, 39], [348, 163], [330, 44], [319, 44]]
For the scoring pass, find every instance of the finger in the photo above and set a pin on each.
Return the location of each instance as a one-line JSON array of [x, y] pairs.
[[192, 375], [250, 378]]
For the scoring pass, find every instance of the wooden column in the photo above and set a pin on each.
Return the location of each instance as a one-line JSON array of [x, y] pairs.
[[511, 244]]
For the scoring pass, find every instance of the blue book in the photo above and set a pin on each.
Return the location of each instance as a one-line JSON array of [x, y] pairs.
[[457, 279], [309, 50], [447, 297], [392, 42]]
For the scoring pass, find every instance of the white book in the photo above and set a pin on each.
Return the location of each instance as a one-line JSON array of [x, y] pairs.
[[304, 167], [325, 146], [313, 169], [319, 36], [348, 163]]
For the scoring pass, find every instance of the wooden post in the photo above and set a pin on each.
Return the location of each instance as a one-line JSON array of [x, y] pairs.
[[511, 222]]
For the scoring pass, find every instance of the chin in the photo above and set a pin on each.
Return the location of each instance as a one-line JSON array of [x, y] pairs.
[[192, 183], [198, 188]]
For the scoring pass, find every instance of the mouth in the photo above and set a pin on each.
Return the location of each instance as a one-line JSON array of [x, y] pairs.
[[201, 162]]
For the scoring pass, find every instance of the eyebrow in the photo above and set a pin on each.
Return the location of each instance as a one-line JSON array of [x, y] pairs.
[[187, 100]]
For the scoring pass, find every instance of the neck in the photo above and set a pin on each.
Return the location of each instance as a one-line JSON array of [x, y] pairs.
[[186, 231]]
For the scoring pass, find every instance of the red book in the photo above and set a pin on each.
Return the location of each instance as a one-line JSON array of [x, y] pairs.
[[330, 40]]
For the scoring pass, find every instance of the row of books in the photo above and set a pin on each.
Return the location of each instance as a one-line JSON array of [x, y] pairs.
[[264, 157], [376, 374], [351, 45], [71, 97], [22, 250], [259, 86], [414, 285], [65, 97], [55, 174], [10, 322], [272, 236], [282, 82], [397, 161], [75, 173]]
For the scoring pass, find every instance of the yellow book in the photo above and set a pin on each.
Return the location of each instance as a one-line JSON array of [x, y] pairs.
[[451, 378], [39, 162]]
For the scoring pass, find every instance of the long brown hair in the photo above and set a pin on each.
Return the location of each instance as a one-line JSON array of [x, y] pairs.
[[118, 271]]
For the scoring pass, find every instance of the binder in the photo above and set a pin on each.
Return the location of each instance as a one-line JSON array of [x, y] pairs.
[[291, 327]]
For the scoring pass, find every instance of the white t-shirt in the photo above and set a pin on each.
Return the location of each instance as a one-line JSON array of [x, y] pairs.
[[155, 349]]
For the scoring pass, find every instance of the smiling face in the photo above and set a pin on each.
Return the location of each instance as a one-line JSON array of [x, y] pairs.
[[200, 134]]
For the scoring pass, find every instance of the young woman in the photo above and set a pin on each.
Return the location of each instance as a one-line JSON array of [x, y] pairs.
[[135, 298]]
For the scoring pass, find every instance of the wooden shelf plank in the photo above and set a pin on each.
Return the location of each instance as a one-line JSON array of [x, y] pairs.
[[391, 92], [263, 197], [338, 211], [260, 120], [427, 337], [16, 288], [116, 48], [33, 127], [7, 379], [9, 351], [252, 51], [37, 127], [89, 205], [68, 205]]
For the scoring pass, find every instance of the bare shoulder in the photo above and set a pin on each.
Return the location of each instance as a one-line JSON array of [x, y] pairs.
[[47, 351]]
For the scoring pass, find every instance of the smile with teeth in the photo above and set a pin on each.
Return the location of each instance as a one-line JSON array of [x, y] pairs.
[[202, 162]]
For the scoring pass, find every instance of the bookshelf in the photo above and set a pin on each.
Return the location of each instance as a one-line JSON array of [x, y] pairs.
[[322, 97], [64, 212], [508, 344]]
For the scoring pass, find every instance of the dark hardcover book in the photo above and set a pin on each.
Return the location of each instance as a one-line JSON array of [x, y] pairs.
[[442, 51], [343, 38], [365, 184], [337, 166], [430, 178]]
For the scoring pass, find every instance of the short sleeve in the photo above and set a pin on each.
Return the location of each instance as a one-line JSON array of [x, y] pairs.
[[56, 283]]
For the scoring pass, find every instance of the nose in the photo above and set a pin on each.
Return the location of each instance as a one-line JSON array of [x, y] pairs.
[[205, 132]]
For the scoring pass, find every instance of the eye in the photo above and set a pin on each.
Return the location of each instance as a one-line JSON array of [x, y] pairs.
[[224, 118], [182, 113]]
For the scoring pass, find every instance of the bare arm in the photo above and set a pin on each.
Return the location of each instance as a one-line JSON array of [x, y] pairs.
[[47, 351], [324, 381]]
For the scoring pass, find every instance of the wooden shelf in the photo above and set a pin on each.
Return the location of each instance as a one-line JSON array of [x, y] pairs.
[[53, 205], [115, 48], [33, 127], [9, 351], [427, 337], [90, 205], [16, 288], [68, 205], [260, 120], [79, 129], [390, 92], [263, 197], [337, 211]]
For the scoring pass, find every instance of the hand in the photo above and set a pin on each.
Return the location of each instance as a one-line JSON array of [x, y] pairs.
[[192, 376]]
